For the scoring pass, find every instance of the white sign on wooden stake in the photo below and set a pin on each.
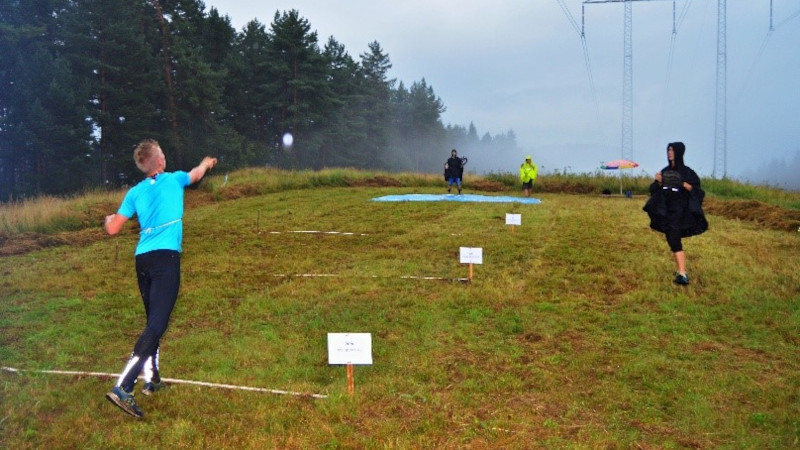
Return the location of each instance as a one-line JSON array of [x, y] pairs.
[[470, 255], [350, 348], [514, 219]]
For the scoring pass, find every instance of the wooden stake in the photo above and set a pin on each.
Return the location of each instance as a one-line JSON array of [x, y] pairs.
[[351, 380], [470, 272]]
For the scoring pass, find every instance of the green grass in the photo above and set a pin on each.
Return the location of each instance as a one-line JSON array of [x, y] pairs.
[[729, 189], [571, 334], [53, 214], [50, 215]]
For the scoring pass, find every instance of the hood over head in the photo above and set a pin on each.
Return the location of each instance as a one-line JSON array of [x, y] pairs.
[[679, 149]]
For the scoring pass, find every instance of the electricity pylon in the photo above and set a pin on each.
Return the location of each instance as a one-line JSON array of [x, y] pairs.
[[721, 107], [721, 122], [627, 76]]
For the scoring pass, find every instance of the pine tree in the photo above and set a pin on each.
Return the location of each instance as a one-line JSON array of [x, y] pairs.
[[376, 104], [341, 132], [304, 96], [110, 46], [425, 110], [196, 81], [249, 94], [43, 134]]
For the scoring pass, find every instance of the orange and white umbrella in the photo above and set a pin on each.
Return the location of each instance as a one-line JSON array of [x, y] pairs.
[[619, 164]]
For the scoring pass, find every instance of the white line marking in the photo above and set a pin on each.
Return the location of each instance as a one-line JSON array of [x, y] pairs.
[[332, 275], [170, 380], [343, 233]]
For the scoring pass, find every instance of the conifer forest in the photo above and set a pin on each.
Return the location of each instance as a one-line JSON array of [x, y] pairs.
[[83, 81]]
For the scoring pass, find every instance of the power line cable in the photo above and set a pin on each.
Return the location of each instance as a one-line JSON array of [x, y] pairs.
[[762, 48], [791, 17], [569, 16], [591, 80], [586, 59], [683, 13], [670, 58], [752, 68]]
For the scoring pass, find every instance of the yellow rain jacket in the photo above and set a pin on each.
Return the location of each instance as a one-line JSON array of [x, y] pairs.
[[528, 172]]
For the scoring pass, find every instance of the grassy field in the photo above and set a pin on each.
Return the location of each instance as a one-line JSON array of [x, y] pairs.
[[571, 334]]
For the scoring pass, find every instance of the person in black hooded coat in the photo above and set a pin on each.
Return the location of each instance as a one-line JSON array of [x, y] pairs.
[[454, 171], [675, 206]]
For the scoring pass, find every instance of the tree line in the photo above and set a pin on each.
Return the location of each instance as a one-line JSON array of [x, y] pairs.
[[81, 82]]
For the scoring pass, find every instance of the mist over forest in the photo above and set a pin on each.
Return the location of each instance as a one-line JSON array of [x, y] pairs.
[[84, 82], [776, 173]]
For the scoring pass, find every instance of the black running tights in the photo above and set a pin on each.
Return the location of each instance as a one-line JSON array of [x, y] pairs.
[[159, 276]]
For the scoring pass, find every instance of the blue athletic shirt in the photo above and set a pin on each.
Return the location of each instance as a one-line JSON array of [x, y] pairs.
[[158, 202]]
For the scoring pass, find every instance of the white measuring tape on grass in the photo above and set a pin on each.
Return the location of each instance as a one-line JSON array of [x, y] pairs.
[[170, 380], [333, 275], [343, 233]]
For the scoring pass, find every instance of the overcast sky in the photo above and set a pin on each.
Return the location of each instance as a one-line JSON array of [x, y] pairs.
[[520, 65]]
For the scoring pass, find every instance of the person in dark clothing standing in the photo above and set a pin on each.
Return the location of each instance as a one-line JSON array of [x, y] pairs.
[[675, 206], [453, 171]]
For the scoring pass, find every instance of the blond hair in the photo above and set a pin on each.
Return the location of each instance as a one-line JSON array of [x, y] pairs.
[[146, 155]]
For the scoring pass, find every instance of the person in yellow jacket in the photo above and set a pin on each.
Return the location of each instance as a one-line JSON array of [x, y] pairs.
[[527, 173]]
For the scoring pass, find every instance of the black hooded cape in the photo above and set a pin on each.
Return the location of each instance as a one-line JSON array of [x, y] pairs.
[[675, 205], [455, 169]]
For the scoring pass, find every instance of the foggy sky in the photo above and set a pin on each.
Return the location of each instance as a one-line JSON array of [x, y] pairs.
[[520, 65]]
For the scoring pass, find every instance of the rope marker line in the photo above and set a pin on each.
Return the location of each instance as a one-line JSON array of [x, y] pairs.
[[333, 275], [344, 233], [170, 380]]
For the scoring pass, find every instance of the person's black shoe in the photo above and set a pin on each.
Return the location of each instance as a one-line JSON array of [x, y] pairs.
[[681, 279], [149, 388], [125, 401]]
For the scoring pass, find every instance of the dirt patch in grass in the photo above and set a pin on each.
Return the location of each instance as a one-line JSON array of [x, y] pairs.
[[487, 186], [195, 198], [239, 191], [566, 186], [768, 216], [22, 243], [94, 214], [377, 181]]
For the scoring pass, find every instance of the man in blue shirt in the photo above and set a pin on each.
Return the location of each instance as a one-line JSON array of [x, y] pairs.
[[157, 201]]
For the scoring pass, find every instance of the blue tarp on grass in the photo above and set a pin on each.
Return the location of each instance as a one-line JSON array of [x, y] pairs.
[[456, 198]]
